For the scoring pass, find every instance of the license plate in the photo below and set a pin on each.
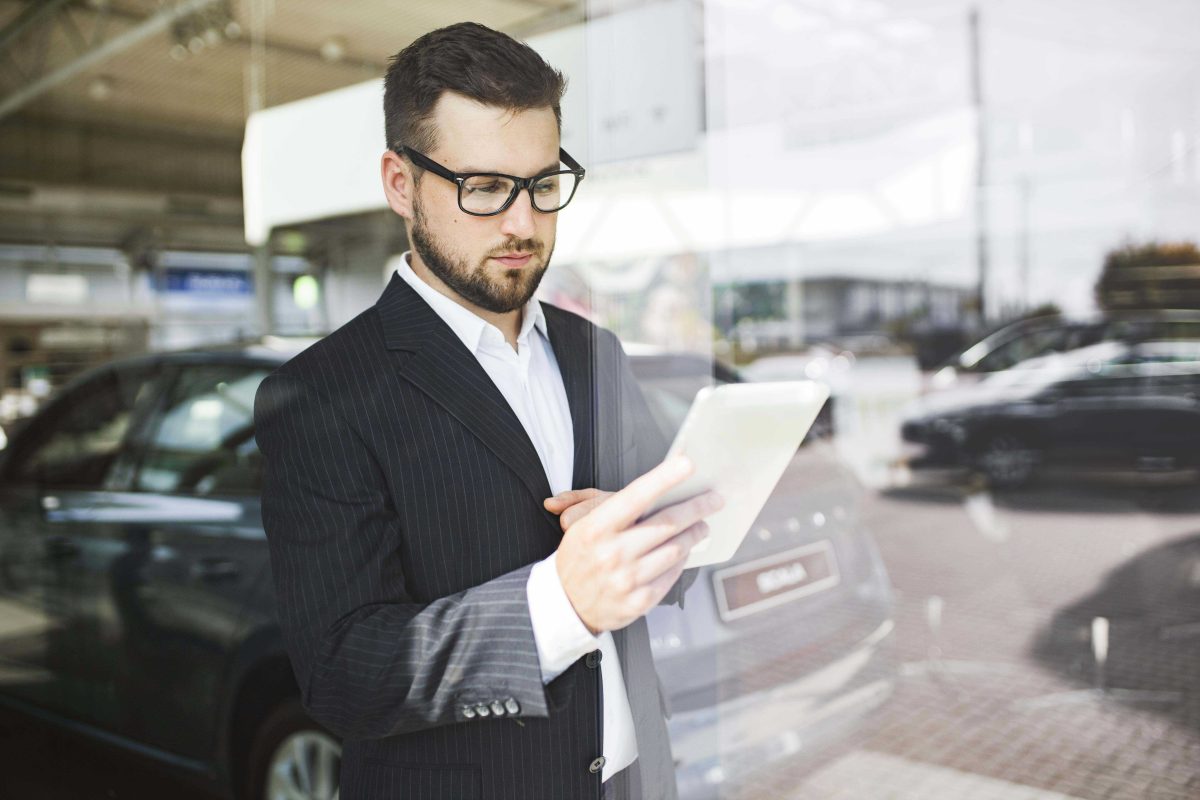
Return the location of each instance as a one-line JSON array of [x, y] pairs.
[[767, 582]]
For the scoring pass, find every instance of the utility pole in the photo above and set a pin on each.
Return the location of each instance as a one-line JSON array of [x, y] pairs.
[[981, 232]]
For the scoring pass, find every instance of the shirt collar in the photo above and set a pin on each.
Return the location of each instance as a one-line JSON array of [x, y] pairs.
[[465, 324]]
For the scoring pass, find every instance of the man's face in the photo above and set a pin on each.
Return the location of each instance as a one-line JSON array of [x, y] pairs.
[[463, 250]]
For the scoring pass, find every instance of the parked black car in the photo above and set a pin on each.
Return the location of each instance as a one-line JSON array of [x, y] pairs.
[[1056, 333], [136, 600], [1111, 406]]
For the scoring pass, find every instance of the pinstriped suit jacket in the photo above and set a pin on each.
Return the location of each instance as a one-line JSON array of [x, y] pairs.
[[402, 504]]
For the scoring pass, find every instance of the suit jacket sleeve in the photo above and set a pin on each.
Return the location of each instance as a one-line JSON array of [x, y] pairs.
[[370, 661], [652, 445]]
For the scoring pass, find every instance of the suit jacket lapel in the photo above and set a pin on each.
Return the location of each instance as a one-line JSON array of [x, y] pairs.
[[574, 351], [444, 369]]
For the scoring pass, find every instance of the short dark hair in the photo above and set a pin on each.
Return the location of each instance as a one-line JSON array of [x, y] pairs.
[[468, 58]]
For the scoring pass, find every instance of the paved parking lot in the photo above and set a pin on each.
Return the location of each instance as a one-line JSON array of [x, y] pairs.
[[1000, 696]]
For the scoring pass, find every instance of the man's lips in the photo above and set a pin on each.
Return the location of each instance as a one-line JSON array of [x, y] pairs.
[[513, 261]]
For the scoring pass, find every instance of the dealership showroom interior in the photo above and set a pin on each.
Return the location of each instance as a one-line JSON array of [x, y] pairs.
[[639, 399]]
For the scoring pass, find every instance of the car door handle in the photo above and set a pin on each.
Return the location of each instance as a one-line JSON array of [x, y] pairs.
[[214, 568], [61, 548]]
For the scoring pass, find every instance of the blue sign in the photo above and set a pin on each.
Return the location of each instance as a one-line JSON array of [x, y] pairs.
[[207, 282]]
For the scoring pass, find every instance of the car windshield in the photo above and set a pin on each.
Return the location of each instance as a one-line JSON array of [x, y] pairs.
[[1035, 373]]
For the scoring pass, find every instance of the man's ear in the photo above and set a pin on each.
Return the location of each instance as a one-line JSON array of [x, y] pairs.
[[398, 184]]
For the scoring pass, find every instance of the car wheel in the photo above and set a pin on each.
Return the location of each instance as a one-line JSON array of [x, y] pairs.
[[1007, 460], [293, 757]]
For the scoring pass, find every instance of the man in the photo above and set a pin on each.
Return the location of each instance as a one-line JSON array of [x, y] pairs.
[[461, 596]]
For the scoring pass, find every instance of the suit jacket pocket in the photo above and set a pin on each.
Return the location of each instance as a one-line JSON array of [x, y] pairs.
[[385, 780]]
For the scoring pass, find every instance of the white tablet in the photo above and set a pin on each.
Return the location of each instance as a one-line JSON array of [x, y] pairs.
[[740, 437]]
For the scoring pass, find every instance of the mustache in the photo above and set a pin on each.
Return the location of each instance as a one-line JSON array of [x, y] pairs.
[[519, 247]]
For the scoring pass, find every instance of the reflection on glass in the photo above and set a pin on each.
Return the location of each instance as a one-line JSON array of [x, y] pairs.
[[912, 202], [204, 443]]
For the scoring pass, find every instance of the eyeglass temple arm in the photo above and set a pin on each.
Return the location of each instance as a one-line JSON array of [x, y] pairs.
[[570, 162], [424, 162]]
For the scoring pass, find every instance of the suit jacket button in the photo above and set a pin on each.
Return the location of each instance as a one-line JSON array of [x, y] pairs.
[[512, 705], [592, 659], [482, 710], [468, 712], [597, 765], [497, 708]]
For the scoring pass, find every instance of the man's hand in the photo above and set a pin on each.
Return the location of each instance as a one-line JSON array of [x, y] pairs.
[[573, 504], [615, 569]]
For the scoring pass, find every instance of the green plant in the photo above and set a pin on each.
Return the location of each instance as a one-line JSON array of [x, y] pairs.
[[1150, 275]]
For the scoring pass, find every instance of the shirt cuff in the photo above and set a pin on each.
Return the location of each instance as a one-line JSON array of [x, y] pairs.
[[560, 634]]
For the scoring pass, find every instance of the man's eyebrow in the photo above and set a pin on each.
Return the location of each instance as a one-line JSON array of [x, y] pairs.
[[552, 168]]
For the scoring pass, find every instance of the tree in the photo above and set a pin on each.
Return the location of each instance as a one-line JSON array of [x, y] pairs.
[[1150, 275]]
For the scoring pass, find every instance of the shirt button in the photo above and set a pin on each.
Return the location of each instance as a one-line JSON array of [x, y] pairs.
[[482, 710], [597, 765], [468, 712], [592, 659], [511, 705], [497, 708]]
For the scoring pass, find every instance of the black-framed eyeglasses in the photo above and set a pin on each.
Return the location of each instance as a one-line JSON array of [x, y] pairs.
[[485, 194]]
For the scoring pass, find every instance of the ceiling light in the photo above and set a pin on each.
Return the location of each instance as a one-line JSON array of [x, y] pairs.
[[204, 29], [333, 49], [100, 89]]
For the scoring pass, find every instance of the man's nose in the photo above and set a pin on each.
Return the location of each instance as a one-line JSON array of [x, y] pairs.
[[517, 219]]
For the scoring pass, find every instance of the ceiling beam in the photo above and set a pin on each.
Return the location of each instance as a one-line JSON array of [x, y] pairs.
[[109, 155]]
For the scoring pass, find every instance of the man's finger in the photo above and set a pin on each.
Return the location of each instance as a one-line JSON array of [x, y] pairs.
[[657, 589], [576, 512], [661, 527], [569, 498], [626, 506], [669, 554]]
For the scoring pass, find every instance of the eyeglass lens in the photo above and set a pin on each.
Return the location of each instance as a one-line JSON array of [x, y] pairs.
[[486, 194]]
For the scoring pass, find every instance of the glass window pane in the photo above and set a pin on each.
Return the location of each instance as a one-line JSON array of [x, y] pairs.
[[77, 441], [204, 442]]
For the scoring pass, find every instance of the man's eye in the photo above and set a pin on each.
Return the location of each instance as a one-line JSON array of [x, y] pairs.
[[491, 187], [546, 185]]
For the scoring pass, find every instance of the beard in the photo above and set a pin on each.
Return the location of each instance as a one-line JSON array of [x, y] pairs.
[[511, 290]]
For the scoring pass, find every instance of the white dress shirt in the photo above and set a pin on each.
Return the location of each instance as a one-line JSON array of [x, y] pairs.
[[530, 381]]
